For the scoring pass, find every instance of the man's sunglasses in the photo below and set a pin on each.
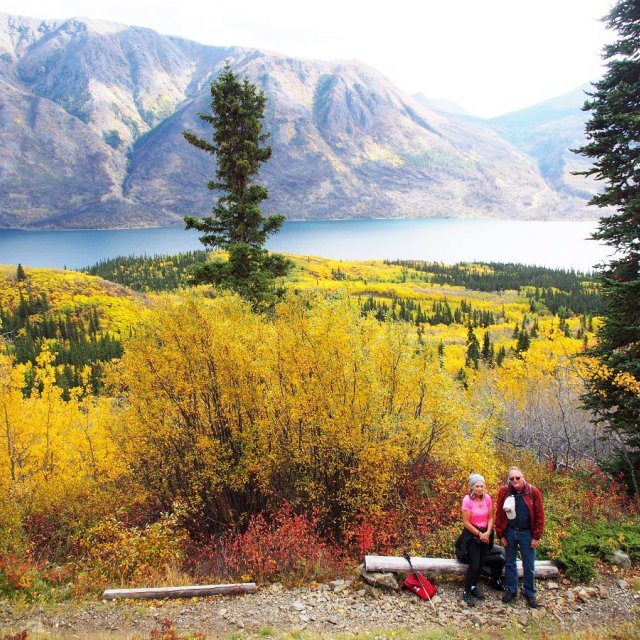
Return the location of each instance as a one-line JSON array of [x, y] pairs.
[[514, 478]]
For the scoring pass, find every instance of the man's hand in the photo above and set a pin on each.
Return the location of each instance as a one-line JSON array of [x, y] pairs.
[[534, 543], [503, 540]]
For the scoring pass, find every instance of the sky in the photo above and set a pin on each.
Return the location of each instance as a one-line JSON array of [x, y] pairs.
[[489, 56]]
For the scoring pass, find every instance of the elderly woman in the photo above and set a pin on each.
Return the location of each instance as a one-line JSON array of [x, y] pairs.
[[477, 518]]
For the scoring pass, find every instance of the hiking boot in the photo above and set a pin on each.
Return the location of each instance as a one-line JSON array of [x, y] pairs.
[[496, 585], [532, 603], [469, 599], [509, 596], [476, 593]]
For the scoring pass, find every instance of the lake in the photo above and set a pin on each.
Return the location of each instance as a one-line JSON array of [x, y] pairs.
[[552, 244]]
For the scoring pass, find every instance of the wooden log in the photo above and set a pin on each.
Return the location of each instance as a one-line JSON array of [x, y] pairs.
[[193, 591], [544, 568]]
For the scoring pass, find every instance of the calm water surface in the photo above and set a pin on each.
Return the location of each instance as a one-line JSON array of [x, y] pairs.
[[552, 244]]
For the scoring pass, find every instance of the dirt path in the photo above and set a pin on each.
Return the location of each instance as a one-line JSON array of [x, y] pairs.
[[339, 609]]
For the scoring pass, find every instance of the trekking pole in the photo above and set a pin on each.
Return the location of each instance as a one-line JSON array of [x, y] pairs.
[[407, 557]]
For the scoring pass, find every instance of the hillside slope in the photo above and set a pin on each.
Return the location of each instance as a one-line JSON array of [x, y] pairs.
[[93, 115]]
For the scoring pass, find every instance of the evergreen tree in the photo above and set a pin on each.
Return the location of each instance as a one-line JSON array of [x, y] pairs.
[[462, 377], [524, 342], [487, 348], [20, 274], [473, 349], [237, 224], [613, 133]]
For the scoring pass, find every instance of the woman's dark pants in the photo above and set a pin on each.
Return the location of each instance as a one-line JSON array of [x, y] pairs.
[[477, 553]]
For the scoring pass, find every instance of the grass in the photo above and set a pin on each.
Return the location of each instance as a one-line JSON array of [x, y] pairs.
[[535, 630]]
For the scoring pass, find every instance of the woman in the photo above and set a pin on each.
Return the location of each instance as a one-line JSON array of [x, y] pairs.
[[477, 518]]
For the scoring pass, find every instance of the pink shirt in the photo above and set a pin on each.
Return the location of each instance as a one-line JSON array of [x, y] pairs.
[[480, 511]]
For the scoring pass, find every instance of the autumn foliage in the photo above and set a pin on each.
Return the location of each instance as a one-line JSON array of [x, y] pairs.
[[284, 445], [232, 413]]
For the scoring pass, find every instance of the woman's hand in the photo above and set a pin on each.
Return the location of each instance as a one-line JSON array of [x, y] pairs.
[[484, 537]]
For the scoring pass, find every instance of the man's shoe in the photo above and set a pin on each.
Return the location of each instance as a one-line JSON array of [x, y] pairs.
[[509, 596], [476, 593], [469, 599], [532, 603], [496, 585]]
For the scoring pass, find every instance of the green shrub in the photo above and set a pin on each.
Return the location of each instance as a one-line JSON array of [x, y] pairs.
[[587, 542], [576, 562]]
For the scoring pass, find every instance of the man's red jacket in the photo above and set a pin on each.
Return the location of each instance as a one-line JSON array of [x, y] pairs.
[[533, 499]]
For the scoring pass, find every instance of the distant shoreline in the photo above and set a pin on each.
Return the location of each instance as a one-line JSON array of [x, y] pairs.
[[593, 218]]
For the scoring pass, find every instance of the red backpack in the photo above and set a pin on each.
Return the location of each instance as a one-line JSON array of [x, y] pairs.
[[420, 585]]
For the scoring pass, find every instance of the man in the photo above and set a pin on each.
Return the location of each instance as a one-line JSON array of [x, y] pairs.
[[521, 525]]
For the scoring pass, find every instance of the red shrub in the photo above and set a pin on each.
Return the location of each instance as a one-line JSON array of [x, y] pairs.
[[286, 546], [167, 631], [605, 497], [16, 574], [426, 502], [46, 535]]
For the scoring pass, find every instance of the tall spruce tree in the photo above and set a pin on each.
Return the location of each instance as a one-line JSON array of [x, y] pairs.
[[237, 224], [613, 134], [473, 349]]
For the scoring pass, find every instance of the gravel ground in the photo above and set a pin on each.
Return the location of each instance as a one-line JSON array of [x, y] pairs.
[[343, 607]]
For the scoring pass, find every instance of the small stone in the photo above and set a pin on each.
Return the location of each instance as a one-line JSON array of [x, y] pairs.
[[372, 591], [603, 592], [304, 618], [571, 596], [338, 585], [240, 624], [623, 584], [333, 620], [592, 592], [298, 606], [222, 613], [566, 582], [379, 578], [552, 585], [620, 559], [523, 618], [436, 599], [582, 595]]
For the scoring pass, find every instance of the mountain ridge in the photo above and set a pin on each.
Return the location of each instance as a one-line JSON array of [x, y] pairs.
[[91, 136]]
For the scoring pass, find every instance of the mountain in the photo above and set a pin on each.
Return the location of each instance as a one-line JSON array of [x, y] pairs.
[[92, 115], [547, 132], [442, 105]]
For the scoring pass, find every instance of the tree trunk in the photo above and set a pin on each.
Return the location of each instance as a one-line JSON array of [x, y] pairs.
[[544, 568], [193, 591]]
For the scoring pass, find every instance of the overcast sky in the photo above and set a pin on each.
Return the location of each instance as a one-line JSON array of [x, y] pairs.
[[489, 56]]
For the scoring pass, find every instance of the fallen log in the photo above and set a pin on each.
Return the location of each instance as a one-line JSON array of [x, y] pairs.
[[193, 591], [544, 568]]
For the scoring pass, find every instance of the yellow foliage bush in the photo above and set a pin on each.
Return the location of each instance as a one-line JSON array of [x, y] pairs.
[[52, 452], [112, 553], [230, 412]]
